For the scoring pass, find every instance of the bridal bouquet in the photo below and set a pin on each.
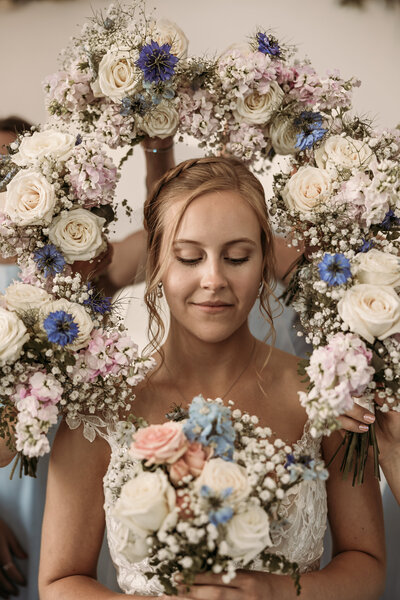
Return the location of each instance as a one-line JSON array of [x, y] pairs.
[[344, 204], [202, 493], [62, 348], [120, 77]]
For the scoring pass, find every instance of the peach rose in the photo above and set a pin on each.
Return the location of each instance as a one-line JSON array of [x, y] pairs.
[[159, 443], [191, 463]]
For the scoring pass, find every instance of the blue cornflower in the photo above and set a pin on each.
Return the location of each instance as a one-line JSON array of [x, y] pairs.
[[334, 269], [267, 45], [366, 246], [210, 424], [311, 129], [78, 140], [220, 515], [219, 512], [390, 220], [49, 260], [157, 62], [96, 302], [60, 327]]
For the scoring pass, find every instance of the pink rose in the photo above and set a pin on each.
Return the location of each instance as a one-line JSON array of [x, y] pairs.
[[178, 471], [159, 443], [191, 463]]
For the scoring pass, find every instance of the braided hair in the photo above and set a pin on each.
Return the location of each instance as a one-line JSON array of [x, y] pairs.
[[187, 181]]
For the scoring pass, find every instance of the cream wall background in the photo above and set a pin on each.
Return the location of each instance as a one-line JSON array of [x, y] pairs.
[[365, 43]]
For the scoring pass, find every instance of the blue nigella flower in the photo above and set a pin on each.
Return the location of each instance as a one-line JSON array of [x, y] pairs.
[[334, 269], [49, 260], [311, 129], [366, 246], [60, 327], [267, 45], [390, 220], [157, 62], [221, 515], [210, 424], [97, 302], [219, 512]]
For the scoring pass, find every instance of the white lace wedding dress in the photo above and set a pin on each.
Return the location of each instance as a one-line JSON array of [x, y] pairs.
[[300, 540]]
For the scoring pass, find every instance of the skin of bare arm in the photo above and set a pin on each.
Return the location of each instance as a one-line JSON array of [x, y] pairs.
[[128, 264], [73, 524], [388, 435]]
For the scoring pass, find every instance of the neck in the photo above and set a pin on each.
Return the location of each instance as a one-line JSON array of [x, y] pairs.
[[206, 367]]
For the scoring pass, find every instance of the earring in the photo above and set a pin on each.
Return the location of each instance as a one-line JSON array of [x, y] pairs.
[[260, 289], [160, 290]]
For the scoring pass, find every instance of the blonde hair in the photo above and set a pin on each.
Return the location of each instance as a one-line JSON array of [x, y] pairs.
[[187, 181]]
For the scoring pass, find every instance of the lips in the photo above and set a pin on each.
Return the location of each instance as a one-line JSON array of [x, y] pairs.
[[212, 307]]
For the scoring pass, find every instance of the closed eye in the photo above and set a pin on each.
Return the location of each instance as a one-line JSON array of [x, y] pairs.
[[237, 261], [188, 261]]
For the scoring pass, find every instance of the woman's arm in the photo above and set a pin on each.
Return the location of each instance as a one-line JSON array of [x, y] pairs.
[[73, 524], [128, 264], [6, 453], [388, 436]]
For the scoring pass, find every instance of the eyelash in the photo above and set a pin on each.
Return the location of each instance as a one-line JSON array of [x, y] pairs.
[[193, 262]]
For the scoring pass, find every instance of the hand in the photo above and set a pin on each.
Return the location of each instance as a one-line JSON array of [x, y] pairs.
[[247, 585], [10, 577], [90, 269]]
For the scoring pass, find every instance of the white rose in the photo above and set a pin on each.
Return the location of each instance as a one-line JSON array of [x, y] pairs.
[[343, 153], [3, 197], [161, 122], [22, 296], [78, 234], [378, 268], [30, 199], [145, 502], [371, 311], [247, 534], [79, 316], [117, 75], [257, 109], [283, 136], [41, 144], [219, 474], [167, 32], [306, 190], [13, 336]]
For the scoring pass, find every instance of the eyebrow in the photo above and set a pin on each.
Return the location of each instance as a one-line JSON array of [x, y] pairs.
[[230, 243]]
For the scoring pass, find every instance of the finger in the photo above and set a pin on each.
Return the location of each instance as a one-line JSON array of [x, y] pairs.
[[211, 592], [16, 547], [361, 414], [352, 425], [13, 574], [7, 587]]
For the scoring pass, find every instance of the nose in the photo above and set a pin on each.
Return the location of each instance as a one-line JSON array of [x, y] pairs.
[[213, 277]]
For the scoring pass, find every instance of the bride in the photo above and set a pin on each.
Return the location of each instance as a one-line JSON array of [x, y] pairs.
[[210, 255]]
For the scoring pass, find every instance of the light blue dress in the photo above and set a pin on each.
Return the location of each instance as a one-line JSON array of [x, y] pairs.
[[22, 505]]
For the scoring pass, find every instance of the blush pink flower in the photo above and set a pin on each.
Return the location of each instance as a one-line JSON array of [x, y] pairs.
[[158, 444], [191, 463]]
